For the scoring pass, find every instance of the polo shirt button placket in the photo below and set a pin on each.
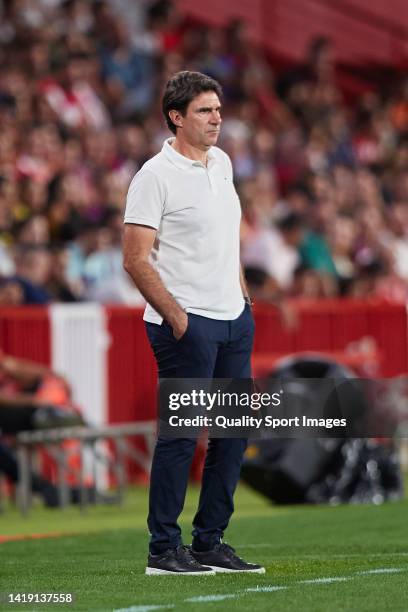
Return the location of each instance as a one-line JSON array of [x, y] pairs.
[[212, 184]]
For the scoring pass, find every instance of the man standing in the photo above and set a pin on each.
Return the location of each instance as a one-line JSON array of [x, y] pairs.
[[181, 247]]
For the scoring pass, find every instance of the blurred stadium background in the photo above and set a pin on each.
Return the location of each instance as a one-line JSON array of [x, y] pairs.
[[316, 124], [315, 120]]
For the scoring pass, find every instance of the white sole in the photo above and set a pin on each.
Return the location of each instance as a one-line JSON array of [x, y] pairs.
[[224, 570], [153, 571]]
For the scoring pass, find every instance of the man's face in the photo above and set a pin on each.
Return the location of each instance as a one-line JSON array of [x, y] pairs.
[[200, 126]]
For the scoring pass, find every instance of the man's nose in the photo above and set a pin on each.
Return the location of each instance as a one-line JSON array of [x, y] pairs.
[[216, 117]]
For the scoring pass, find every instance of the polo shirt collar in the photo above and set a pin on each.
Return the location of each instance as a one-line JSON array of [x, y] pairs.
[[182, 162]]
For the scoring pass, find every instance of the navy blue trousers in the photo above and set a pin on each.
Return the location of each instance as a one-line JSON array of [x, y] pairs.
[[209, 349]]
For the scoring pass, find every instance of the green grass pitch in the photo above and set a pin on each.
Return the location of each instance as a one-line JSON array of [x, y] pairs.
[[318, 559]]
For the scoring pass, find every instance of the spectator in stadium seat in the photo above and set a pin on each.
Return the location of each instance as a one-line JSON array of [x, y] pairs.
[[275, 249], [342, 241], [32, 396], [33, 267], [315, 254], [310, 284], [41, 156], [103, 274], [34, 231], [398, 237], [105, 260], [264, 289], [6, 262], [71, 96], [11, 292], [319, 69], [399, 108], [59, 286], [34, 196], [128, 73], [23, 403], [26, 390]]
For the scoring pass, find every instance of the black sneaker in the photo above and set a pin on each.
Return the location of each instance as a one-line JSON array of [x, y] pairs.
[[222, 558], [176, 561]]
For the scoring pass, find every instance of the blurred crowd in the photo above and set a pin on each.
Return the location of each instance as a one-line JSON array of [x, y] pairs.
[[323, 180]]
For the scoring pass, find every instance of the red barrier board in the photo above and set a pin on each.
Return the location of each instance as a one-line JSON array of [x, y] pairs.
[[131, 366], [25, 333], [346, 327]]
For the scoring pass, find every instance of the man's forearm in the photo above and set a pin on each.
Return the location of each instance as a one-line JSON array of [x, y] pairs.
[[151, 286]]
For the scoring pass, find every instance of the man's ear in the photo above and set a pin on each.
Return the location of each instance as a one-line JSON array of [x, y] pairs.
[[176, 117]]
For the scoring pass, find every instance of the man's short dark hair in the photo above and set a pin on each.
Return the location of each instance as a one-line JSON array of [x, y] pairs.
[[182, 88]]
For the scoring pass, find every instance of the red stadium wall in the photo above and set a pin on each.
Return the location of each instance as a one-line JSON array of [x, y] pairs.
[[25, 332], [363, 31], [337, 328], [340, 327], [131, 367]]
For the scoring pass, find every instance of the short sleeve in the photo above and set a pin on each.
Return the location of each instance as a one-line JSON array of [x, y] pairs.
[[145, 200]]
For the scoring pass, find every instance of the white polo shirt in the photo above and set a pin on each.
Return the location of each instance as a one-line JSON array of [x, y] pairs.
[[196, 212]]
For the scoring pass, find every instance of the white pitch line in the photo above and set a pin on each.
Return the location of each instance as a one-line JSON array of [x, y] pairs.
[[327, 580], [268, 588], [265, 589], [206, 598], [382, 570], [146, 608]]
